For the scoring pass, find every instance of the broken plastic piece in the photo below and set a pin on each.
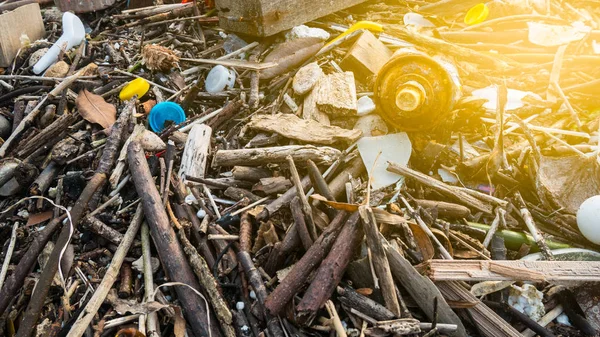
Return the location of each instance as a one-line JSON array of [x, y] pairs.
[[368, 25], [394, 148], [477, 14], [165, 111], [73, 35], [514, 98], [365, 105], [138, 87], [219, 78], [415, 19]]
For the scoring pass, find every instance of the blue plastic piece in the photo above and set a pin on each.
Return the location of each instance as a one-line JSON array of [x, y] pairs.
[[165, 111]]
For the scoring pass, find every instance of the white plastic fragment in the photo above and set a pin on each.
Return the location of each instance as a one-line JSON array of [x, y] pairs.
[[303, 31], [417, 20], [547, 35], [73, 35], [239, 305], [365, 105], [395, 148], [219, 78], [447, 176], [514, 97]]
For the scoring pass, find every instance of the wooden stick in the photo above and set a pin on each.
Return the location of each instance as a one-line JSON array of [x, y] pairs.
[[262, 156], [427, 230], [300, 224], [257, 283], [91, 308], [101, 229], [380, 261], [447, 190], [337, 323], [209, 283], [330, 271], [152, 326], [170, 252], [9, 252], [528, 219], [494, 227], [306, 209], [351, 299], [283, 200], [279, 298]]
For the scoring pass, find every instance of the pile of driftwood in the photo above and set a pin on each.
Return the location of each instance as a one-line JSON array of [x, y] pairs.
[[261, 214]]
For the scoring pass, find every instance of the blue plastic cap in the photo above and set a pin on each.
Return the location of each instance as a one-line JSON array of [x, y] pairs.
[[165, 111]]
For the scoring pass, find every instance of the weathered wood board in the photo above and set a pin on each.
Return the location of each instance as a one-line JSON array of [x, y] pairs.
[[269, 17]]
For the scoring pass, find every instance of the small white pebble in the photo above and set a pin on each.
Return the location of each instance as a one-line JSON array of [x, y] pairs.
[[239, 305], [201, 214], [252, 295]]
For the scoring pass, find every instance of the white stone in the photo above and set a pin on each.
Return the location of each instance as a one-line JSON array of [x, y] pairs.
[[306, 78], [303, 31]]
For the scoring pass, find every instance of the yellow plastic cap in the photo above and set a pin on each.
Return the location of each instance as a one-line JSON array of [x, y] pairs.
[[138, 87], [477, 14]]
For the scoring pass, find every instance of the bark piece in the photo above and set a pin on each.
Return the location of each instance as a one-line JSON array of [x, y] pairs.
[[272, 185], [309, 131], [253, 174], [310, 110]]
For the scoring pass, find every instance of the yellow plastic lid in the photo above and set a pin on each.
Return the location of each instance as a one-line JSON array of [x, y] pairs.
[[138, 87], [477, 14]]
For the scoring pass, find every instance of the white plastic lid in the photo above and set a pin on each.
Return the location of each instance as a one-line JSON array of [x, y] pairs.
[[219, 78]]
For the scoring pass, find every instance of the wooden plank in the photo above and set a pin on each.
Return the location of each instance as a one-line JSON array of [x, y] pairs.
[[269, 17], [366, 56], [195, 154], [23, 20], [557, 272]]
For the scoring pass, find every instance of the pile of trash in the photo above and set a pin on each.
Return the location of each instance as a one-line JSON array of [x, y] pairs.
[[263, 168]]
